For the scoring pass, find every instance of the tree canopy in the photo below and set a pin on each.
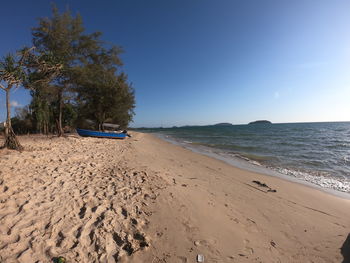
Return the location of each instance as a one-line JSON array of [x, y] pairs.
[[72, 76]]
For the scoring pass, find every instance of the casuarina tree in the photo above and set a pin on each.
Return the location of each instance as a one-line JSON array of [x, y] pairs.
[[91, 76], [62, 36]]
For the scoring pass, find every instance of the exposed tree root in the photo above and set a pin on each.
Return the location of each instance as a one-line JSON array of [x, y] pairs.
[[11, 141]]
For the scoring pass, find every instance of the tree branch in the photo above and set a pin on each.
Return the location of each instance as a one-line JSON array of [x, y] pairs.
[[1, 86], [24, 53]]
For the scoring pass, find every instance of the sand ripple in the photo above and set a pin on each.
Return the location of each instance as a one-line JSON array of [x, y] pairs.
[[73, 197]]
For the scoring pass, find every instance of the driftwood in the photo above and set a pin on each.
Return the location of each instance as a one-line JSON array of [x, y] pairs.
[[269, 189]]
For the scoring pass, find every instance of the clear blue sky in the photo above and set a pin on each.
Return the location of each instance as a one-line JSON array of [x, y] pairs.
[[202, 62]]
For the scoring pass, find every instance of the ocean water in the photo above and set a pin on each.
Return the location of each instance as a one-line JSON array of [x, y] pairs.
[[318, 153]]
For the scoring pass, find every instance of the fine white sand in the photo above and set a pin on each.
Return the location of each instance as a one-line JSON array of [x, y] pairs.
[[146, 200]]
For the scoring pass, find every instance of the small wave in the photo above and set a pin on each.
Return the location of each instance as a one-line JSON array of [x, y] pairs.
[[258, 158], [339, 145], [255, 162], [320, 179], [226, 146], [202, 144], [313, 163]]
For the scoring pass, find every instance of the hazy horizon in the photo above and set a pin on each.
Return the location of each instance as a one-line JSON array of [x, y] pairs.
[[233, 124], [199, 62]]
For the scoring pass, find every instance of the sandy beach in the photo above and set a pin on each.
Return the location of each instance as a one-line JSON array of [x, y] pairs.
[[145, 200]]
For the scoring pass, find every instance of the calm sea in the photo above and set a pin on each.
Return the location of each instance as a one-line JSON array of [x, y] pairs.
[[318, 153]]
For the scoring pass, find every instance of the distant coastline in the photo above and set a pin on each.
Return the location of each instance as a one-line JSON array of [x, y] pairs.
[[223, 124], [260, 122], [230, 124]]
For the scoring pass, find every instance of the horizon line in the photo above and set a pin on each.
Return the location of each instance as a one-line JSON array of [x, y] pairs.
[[236, 124]]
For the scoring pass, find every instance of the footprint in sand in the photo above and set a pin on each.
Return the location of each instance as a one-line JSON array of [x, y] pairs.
[[247, 249]]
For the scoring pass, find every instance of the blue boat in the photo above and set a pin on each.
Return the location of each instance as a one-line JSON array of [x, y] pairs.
[[112, 135]]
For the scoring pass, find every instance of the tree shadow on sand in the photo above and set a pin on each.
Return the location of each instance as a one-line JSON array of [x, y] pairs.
[[345, 250]]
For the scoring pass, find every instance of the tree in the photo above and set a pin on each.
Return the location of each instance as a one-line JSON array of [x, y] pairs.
[[22, 122], [103, 94], [123, 110], [41, 110], [40, 69], [11, 76], [62, 35], [70, 74], [25, 68]]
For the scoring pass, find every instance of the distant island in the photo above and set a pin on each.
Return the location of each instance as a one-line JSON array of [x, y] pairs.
[[223, 124], [260, 122]]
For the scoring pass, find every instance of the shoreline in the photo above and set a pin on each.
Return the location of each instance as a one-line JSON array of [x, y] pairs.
[[244, 164], [229, 211], [144, 199]]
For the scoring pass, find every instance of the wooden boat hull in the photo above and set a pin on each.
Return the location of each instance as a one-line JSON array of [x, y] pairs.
[[98, 134]]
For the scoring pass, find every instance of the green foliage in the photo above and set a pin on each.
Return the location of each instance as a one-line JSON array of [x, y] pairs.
[[72, 76], [70, 114], [12, 74], [61, 37], [103, 96], [11, 70], [42, 112], [90, 75], [22, 123]]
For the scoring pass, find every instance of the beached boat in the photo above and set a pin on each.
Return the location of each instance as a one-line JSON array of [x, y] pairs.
[[112, 135]]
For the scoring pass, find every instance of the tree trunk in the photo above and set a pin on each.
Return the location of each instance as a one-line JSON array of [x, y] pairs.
[[60, 108], [8, 108], [11, 141], [45, 128]]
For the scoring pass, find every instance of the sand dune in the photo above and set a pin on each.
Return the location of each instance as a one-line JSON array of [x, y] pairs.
[[145, 200]]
